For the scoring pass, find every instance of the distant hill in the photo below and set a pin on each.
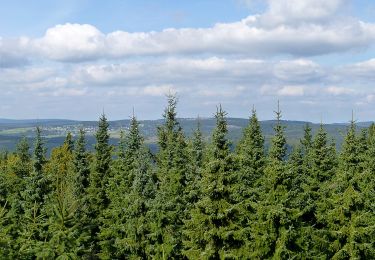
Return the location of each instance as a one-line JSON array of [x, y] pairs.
[[55, 130]]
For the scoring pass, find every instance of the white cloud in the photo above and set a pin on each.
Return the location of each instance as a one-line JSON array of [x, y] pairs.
[[291, 91], [157, 90], [66, 92], [286, 11], [71, 42], [300, 70], [13, 52], [361, 70], [338, 91], [258, 59], [212, 71], [294, 27], [75, 42]]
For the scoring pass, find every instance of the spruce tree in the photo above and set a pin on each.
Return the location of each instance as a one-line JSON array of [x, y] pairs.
[[62, 240], [82, 170], [98, 183], [37, 182], [251, 159], [33, 221], [69, 141], [197, 147], [320, 169], [246, 189], [19, 167], [275, 228], [5, 238], [307, 140], [194, 175], [128, 148], [350, 224], [212, 231], [125, 224], [81, 165], [169, 206]]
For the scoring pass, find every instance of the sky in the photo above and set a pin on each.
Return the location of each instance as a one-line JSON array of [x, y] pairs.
[[72, 59]]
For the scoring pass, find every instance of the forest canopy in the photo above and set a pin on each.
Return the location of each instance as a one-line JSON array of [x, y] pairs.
[[192, 198]]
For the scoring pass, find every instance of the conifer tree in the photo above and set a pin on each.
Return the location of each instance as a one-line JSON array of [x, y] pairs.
[[350, 225], [319, 170], [275, 228], [19, 167], [197, 147], [212, 231], [61, 207], [169, 205], [39, 153], [98, 183], [69, 141], [194, 175], [126, 227], [32, 223], [37, 182], [251, 162], [23, 151], [128, 149], [307, 140], [81, 165], [5, 238], [250, 153]]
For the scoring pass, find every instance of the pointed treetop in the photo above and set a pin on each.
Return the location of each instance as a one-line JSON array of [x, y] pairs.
[[353, 121], [278, 112]]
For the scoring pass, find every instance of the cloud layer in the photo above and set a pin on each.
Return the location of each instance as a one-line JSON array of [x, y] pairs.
[[277, 54]]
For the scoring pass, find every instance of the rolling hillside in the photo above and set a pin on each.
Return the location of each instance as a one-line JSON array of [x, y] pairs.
[[54, 130]]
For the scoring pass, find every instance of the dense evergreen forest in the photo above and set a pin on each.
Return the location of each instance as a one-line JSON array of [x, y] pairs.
[[192, 199]]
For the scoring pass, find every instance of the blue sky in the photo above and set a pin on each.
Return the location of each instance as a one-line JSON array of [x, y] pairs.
[[71, 59]]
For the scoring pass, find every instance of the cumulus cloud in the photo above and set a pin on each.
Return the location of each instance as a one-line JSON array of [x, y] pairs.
[[337, 91], [293, 27], [300, 70], [76, 42], [65, 92], [70, 42], [13, 52], [262, 57], [361, 70], [292, 11], [293, 91]]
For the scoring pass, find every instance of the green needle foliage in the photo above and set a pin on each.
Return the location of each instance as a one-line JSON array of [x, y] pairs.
[[98, 183], [169, 206], [213, 231], [126, 227], [191, 198]]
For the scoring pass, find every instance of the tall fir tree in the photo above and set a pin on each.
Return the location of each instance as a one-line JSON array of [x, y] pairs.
[[251, 158], [81, 163], [98, 183], [69, 141], [37, 182], [33, 230], [307, 140], [114, 229], [197, 157], [81, 166], [62, 239], [169, 205], [349, 224], [251, 163], [17, 173], [212, 231], [274, 231]]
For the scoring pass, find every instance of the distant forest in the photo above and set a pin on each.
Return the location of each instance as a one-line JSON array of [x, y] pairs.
[[192, 197]]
